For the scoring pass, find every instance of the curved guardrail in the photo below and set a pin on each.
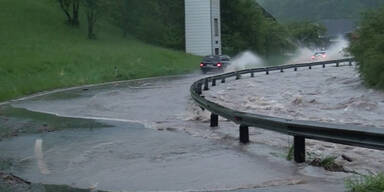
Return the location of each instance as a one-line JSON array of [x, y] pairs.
[[368, 137]]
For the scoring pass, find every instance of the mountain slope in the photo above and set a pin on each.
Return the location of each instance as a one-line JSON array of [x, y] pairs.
[[288, 10]]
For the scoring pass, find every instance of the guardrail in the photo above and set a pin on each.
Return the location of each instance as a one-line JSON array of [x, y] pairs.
[[368, 137]]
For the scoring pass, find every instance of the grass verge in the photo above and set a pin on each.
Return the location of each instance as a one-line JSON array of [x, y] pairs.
[[373, 183], [39, 52]]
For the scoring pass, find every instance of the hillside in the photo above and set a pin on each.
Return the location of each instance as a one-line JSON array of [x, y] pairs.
[[39, 51], [289, 10]]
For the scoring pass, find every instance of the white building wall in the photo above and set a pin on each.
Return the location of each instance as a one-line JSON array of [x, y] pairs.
[[199, 27], [216, 27]]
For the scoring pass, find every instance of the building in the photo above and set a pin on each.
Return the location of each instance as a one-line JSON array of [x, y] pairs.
[[202, 27]]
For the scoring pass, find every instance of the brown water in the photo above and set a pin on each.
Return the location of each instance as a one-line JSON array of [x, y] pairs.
[[156, 144]]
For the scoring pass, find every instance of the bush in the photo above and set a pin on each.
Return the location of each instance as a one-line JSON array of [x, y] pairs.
[[368, 48], [373, 183]]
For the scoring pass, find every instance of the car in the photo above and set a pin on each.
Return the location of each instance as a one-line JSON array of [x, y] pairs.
[[214, 62], [320, 55]]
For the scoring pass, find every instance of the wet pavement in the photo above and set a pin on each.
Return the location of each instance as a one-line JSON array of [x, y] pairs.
[[131, 157], [156, 140]]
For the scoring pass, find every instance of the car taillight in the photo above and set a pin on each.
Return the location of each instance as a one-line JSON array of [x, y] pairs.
[[313, 57], [324, 56], [201, 64], [219, 64]]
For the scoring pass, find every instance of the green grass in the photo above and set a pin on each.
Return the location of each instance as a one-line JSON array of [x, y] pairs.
[[374, 183], [38, 51]]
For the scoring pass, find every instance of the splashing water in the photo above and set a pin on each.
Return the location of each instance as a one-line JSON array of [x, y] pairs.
[[245, 60], [335, 51]]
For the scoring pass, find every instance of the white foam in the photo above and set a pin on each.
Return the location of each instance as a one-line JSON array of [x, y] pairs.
[[335, 51], [245, 60]]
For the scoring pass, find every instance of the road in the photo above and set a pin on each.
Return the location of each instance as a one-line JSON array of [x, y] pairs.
[[156, 140]]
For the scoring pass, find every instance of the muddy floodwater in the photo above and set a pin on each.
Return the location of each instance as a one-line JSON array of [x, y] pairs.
[[333, 94], [157, 139]]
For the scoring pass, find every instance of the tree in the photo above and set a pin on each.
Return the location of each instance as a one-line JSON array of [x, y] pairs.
[[247, 26], [368, 48], [71, 10], [307, 34], [121, 17], [159, 22], [93, 10]]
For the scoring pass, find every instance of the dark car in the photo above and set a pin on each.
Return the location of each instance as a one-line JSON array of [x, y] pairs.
[[214, 62]]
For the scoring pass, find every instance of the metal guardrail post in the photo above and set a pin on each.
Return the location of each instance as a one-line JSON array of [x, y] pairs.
[[350, 63], [368, 137], [252, 74], [238, 76], [199, 88], [213, 82], [282, 70], [214, 120], [299, 149], [244, 134], [206, 86], [310, 67], [337, 64], [323, 65], [295, 68], [267, 72]]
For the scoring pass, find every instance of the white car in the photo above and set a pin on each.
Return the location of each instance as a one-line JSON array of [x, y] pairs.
[[320, 55]]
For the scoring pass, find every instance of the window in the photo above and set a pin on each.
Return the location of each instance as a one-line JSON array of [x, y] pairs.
[[217, 51], [216, 23]]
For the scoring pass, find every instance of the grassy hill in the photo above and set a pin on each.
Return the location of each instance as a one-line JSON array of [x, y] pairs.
[[38, 51]]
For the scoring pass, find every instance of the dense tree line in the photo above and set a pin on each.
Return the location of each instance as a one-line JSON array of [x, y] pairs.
[[245, 25], [159, 22], [308, 34], [368, 48]]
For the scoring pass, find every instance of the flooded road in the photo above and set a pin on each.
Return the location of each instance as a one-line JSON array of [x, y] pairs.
[[333, 94], [131, 157], [156, 140]]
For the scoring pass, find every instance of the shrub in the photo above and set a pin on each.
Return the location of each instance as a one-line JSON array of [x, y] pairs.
[[374, 183], [368, 48]]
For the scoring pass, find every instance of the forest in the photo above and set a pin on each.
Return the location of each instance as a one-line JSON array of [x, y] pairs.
[[245, 24]]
